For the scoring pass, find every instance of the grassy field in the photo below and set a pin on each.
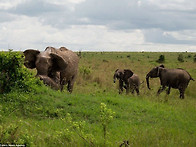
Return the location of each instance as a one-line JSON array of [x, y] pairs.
[[45, 117]]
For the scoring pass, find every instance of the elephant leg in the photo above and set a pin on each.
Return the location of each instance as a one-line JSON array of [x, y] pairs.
[[181, 93], [132, 90], [69, 87], [137, 90], [160, 90], [71, 84], [61, 88], [168, 91], [62, 83], [120, 86], [128, 88]]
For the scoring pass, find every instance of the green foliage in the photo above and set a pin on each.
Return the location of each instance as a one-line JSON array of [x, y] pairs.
[[70, 131], [194, 58], [106, 116], [79, 129], [181, 58], [12, 134], [13, 75], [161, 59], [189, 56], [85, 72]]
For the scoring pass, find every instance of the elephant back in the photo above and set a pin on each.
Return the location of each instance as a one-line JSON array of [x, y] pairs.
[[68, 55], [51, 50], [63, 49], [134, 79]]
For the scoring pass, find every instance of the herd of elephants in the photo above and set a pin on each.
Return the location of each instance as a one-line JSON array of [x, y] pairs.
[[58, 67]]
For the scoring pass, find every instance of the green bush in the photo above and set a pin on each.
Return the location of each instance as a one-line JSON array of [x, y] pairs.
[[161, 59], [181, 58], [194, 58], [13, 75], [189, 56], [12, 134], [85, 72]]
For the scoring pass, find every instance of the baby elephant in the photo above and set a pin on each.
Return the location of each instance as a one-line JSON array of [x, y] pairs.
[[134, 84]]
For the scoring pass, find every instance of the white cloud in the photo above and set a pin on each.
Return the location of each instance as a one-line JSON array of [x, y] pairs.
[[184, 35], [7, 4], [173, 4], [65, 2], [99, 24], [25, 32]]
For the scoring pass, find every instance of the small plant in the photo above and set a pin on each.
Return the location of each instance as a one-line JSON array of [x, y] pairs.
[[85, 71], [181, 58], [128, 56], [161, 59], [189, 56], [80, 54], [194, 58], [12, 134], [106, 116], [78, 128]]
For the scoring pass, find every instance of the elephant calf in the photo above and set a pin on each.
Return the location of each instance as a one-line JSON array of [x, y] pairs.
[[172, 78], [134, 83]]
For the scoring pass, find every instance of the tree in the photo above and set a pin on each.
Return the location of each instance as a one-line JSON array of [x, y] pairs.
[[161, 59]]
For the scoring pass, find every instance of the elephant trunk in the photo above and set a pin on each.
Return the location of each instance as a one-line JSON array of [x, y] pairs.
[[147, 81], [114, 78]]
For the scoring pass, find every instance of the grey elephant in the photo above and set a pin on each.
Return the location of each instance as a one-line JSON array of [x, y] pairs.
[[134, 83], [122, 75], [171, 78], [56, 67]]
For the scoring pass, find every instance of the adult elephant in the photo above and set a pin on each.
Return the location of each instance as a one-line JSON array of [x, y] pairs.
[[56, 67], [171, 78], [122, 75]]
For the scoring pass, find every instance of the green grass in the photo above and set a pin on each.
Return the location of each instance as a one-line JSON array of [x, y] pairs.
[[39, 118]]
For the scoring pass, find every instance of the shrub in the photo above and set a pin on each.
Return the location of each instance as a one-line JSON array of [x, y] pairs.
[[161, 59], [128, 56], [189, 56], [80, 54], [106, 117], [98, 80], [13, 75], [85, 71], [194, 58], [12, 134], [180, 58]]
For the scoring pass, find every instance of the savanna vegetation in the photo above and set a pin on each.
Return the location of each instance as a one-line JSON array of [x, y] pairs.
[[95, 114]]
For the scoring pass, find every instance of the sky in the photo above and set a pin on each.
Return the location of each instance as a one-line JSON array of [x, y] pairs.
[[99, 25]]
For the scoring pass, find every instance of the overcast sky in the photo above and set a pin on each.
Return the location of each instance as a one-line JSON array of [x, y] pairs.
[[99, 25]]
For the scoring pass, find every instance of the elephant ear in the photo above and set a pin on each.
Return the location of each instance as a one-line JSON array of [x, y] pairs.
[[116, 70], [127, 73], [162, 66], [58, 63], [30, 58]]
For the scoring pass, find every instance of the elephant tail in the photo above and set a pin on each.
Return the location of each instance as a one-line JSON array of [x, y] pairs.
[[141, 82], [192, 79]]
